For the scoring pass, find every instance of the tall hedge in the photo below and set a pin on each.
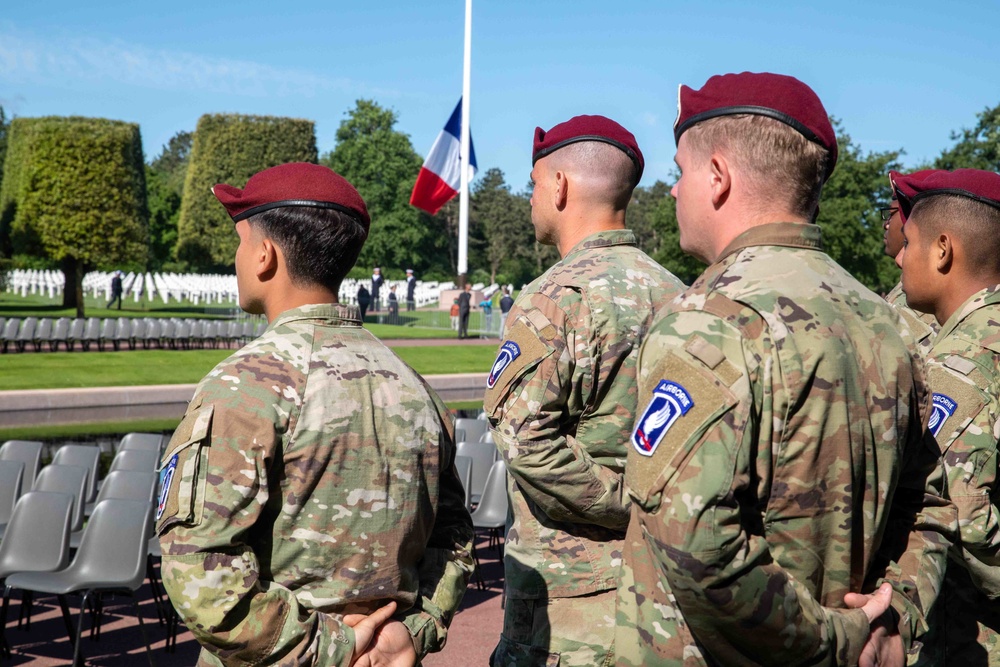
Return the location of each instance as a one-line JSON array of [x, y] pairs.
[[230, 148], [74, 191]]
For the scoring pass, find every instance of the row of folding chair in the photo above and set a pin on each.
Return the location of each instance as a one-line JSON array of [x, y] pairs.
[[119, 332]]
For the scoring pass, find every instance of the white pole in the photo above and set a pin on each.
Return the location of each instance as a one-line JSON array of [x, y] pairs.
[[463, 202]]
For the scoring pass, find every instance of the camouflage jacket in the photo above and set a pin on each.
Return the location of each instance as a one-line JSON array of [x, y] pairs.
[[780, 407], [963, 371], [312, 476], [923, 326], [561, 398]]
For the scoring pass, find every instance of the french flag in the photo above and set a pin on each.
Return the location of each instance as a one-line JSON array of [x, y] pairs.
[[441, 176]]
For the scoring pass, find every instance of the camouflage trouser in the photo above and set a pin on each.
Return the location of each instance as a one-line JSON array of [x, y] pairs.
[[964, 626], [563, 632]]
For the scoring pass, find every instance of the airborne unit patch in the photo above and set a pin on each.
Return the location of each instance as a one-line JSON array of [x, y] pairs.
[[944, 407], [166, 477], [670, 401], [509, 351]]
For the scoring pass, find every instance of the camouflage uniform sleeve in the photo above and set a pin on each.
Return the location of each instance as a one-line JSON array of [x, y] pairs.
[[694, 470], [966, 423], [214, 488], [530, 403], [447, 564]]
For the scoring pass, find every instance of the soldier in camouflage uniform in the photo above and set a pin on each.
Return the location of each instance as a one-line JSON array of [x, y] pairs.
[[312, 475], [777, 398], [951, 269], [561, 397], [923, 326]]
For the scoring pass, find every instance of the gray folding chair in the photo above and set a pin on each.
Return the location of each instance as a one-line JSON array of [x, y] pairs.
[[85, 456], [491, 514], [473, 429], [76, 330], [463, 466], [10, 330], [43, 332], [140, 460], [60, 334], [65, 479], [482, 455], [11, 473], [27, 333], [28, 452], [91, 333], [123, 485], [37, 540], [147, 441], [111, 558]]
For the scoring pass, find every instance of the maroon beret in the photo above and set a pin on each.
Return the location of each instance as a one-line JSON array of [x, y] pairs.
[[783, 98], [588, 128], [902, 190], [292, 184], [976, 184]]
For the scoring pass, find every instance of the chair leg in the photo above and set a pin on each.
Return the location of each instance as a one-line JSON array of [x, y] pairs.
[[77, 655], [4, 646], [66, 617], [142, 627], [154, 586]]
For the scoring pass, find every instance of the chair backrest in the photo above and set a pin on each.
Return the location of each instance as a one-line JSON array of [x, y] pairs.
[[61, 330], [76, 328], [93, 329], [128, 485], [11, 473], [66, 479], [492, 510], [147, 441], [138, 328], [482, 460], [474, 428], [27, 332], [10, 328], [135, 460], [44, 330], [123, 328], [463, 466], [85, 456], [114, 545], [108, 327], [37, 537], [27, 451]]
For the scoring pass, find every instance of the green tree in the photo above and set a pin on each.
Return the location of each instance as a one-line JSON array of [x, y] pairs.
[[645, 201], [505, 221], [663, 220], [165, 188], [74, 192], [230, 148], [4, 129], [848, 212], [381, 163], [976, 148]]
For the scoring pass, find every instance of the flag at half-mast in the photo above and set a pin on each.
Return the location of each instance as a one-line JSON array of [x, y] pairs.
[[441, 176]]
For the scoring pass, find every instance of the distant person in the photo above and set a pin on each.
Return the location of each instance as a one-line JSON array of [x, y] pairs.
[[506, 302], [116, 289], [464, 305], [487, 306], [312, 478], [377, 281], [364, 299], [393, 306], [454, 314], [411, 286]]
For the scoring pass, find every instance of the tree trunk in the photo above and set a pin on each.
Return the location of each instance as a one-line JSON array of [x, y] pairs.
[[73, 293]]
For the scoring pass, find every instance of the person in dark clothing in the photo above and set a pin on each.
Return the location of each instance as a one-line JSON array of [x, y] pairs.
[[364, 298], [506, 302], [411, 285], [393, 306], [464, 305], [116, 290]]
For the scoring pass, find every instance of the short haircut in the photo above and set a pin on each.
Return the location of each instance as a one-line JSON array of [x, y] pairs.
[[609, 171], [777, 160], [976, 226], [320, 245]]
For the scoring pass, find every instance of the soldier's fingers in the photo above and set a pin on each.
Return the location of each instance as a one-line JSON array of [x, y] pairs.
[[350, 620], [366, 627], [878, 603], [856, 600]]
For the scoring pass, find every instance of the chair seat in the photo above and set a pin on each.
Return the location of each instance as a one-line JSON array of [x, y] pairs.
[[59, 583]]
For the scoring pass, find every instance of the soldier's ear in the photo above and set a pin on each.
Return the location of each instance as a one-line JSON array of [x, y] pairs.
[[269, 258], [561, 192], [720, 178], [944, 252]]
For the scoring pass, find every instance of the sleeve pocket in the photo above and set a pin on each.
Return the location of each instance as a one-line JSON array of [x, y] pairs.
[[183, 472]]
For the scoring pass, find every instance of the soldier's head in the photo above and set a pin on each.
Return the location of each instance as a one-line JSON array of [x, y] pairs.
[[584, 171], [951, 247], [301, 228], [892, 224], [751, 149]]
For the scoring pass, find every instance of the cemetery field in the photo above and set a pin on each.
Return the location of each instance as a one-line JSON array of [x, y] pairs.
[[61, 370]]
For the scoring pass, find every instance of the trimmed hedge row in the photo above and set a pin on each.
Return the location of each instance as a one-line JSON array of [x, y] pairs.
[[230, 148]]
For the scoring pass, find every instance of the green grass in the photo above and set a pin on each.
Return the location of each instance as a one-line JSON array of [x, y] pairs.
[[12, 305], [61, 370]]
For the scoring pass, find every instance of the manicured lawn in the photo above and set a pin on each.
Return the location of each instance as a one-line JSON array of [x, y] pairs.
[[55, 370]]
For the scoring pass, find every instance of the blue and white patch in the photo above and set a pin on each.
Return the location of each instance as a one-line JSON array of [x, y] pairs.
[[670, 402], [509, 351], [166, 477], [944, 407]]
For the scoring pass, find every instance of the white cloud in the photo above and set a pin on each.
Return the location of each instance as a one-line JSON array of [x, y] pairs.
[[28, 60]]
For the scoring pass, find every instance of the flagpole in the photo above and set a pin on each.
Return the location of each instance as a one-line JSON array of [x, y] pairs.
[[463, 202]]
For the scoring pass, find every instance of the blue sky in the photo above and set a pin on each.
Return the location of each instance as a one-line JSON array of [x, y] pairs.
[[897, 75]]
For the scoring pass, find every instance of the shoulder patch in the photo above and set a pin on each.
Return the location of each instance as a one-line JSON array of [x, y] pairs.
[[943, 407], [509, 351], [670, 402], [166, 477]]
